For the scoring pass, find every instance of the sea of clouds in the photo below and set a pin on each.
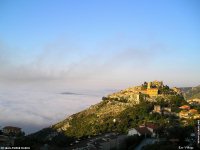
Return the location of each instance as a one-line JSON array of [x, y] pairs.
[[35, 106]]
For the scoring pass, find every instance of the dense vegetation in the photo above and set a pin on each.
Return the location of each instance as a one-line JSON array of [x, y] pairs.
[[84, 124]]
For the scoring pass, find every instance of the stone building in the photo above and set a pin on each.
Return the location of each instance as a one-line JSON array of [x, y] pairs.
[[153, 88], [155, 84], [152, 92], [11, 130], [157, 109], [161, 110]]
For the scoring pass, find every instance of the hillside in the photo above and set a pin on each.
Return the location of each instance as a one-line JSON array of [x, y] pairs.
[[116, 112], [185, 89], [100, 117], [193, 93]]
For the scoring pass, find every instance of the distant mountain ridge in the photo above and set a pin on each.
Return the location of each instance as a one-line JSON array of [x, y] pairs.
[[192, 93], [185, 89]]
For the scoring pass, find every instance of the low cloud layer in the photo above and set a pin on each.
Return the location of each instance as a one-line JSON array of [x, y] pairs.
[[34, 106]]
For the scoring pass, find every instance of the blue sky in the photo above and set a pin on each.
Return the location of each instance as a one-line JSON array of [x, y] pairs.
[[123, 42]]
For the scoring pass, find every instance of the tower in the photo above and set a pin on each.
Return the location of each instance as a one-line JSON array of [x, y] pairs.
[[149, 85], [138, 97]]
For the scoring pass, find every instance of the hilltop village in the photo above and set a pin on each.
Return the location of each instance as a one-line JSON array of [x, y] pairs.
[[148, 91], [148, 116]]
